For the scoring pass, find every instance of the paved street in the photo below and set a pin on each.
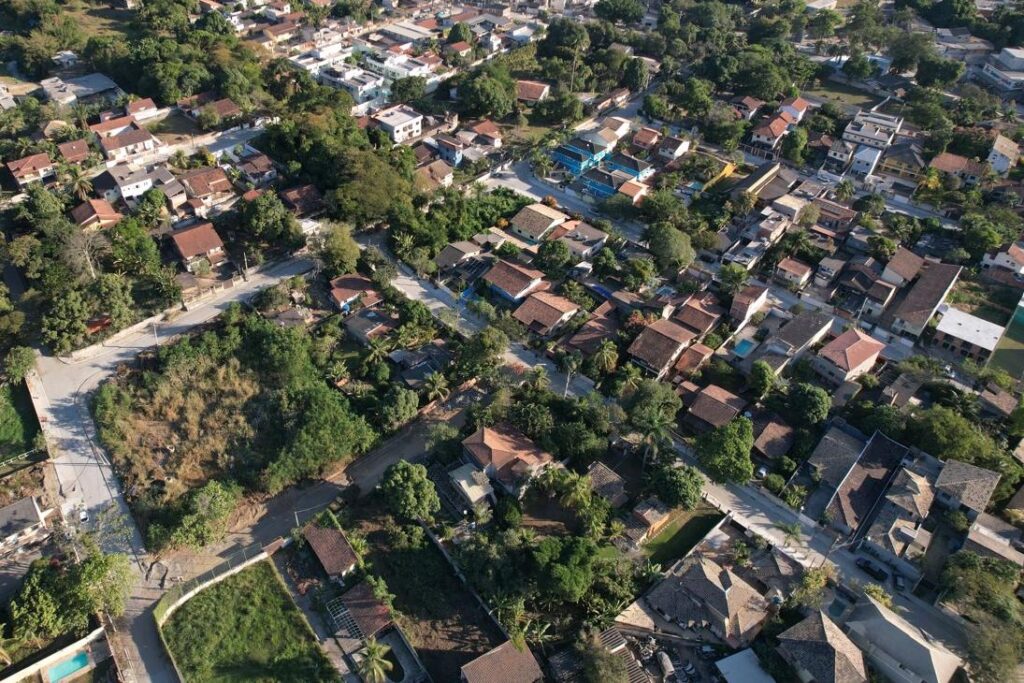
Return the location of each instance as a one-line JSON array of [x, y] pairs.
[[61, 391]]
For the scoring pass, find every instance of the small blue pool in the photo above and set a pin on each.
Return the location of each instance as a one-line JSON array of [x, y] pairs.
[[744, 347], [69, 667]]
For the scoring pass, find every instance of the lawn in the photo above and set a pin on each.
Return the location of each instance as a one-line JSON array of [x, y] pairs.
[[681, 534], [443, 621], [1009, 354], [245, 628], [842, 94]]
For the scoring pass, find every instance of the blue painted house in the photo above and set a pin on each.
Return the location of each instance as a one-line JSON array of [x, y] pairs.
[[637, 169], [449, 149], [578, 155], [603, 183]]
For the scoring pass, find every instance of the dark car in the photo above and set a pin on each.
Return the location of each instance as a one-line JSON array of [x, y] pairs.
[[899, 582], [872, 569]]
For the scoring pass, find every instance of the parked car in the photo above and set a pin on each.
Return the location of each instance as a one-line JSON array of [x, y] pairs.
[[689, 668], [899, 582], [872, 569], [707, 652]]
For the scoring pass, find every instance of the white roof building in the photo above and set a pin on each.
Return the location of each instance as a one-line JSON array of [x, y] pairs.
[[969, 328]]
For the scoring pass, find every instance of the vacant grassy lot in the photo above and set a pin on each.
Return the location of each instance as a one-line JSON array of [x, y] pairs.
[[99, 19], [842, 95], [1009, 354], [994, 303], [682, 533], [18, 423], [174, 128], [438, 614], [245, 628]]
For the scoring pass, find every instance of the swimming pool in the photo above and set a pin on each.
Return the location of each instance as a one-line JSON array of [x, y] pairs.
[[744, 347], [69, 667]]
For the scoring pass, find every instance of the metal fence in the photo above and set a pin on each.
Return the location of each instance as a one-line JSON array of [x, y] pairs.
[[233, 563]]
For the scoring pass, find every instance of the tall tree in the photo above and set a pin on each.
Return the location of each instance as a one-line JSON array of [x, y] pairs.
[[724, 452]]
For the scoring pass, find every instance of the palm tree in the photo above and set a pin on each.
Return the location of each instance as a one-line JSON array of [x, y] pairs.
[[606, 357], [179, 159], [845, 190], [482, 513], [570, 363], [577, 491], [76, 182], [538, 632], [338, 371], [631, 378], [437, 386], [539, 379], [374, 665], [792, 532], [376, 351], [654, 427]]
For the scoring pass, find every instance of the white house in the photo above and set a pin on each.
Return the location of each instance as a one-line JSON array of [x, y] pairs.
[[400, 122], [1004, 155]]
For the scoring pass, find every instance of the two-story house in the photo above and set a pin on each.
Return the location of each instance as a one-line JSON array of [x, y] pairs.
[[197, 244]]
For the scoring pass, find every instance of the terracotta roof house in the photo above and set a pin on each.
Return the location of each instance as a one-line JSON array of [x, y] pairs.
[[747, 106], [74, 152], [793, 272], [607, 484], [747, 302], [197, 243], [595, 331], [933, 285], [95, 214], [512, 281], [848, 356], [898, 649], [348, 290], [693, 357], [795, 107], [30, 169], [646, 138], [506, 456], [532, 92], [775, 438], [505, 663], [535, 221], [257, 169], [646, 520], [433, 176], [455, 253], [370, 615], [658, 346], [699, 590], [489, 131], [997, 401], [902, 267], [970, 172], [332, 549], [127, 144], [771, 132], [700, 315], [714, 407], [223, 109], [303, 201], [142, 109], [821, 653], [207, 183], [544, 313], [963, 485], [583, 239]]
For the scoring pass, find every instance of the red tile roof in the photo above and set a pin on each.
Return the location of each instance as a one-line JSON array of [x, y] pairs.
[[503, 664], [196, 240], [850, 349], [29, 165], [330, 547]]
